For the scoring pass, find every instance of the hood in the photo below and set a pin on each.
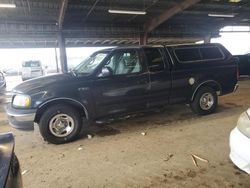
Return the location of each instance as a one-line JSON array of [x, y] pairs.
[[37, 84]]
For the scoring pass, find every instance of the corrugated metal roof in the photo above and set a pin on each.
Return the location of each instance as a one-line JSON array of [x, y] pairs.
[[34, 23]]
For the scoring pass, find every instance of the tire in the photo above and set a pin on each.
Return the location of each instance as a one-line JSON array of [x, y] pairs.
[[58, 117], [209, 103]]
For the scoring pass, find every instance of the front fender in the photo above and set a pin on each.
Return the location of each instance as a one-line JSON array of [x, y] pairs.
[[62, 100]]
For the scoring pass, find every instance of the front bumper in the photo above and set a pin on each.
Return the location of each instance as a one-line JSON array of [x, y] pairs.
[[239, 150], [21, 119]]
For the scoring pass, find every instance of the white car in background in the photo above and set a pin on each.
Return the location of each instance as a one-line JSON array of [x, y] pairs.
[[240, 142], [31, 69]]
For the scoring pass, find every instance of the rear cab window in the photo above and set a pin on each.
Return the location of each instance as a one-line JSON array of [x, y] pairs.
[[198, 54]]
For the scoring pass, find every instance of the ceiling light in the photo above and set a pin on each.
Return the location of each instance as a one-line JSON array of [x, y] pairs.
[[3, 5], [113, 11], [234, 1], [222, 15], [245, 20]]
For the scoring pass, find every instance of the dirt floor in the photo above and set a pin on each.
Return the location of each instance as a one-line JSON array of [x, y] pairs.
[[120, 156]]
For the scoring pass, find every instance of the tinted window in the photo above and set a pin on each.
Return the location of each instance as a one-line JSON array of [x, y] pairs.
[[188, 54], [32, 64], [211, 53], [154, 58], [124, 62]]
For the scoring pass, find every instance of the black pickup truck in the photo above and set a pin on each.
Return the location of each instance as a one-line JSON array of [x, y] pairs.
[[123, 80]]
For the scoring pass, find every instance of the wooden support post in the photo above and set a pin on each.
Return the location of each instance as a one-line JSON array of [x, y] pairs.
[[63, 56], [143, 39], [167, 14], [207, 39]]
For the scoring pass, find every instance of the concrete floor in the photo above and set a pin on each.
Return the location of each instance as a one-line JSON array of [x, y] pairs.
[[120, 156]]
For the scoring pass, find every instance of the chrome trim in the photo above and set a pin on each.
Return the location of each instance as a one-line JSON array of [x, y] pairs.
[[61, 125], [207, 81], [206, 101], [248, 112], [64, 98], [22, 117]]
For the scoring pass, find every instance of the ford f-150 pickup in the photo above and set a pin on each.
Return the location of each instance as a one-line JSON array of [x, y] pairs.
[[123, 80]]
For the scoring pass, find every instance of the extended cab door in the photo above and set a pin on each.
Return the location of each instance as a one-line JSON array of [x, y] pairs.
[[126, 88], [160, 75]]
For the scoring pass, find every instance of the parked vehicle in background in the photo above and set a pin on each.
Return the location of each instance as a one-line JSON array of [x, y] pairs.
[[240, 142], [11, 72], [2, 81], [118, 81], [31, 69], [244, 64], [10, 173]]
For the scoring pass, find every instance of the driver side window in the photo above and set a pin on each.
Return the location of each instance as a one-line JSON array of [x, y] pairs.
[[124, 62]]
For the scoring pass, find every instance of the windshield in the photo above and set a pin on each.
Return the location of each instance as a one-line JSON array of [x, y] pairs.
[[90, 64]]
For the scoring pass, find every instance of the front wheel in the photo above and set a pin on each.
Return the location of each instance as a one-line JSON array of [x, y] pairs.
[[205, 101], [60, 124]]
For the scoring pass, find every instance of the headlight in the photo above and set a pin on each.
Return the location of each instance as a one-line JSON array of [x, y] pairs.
[[21, 101], [244, 124]]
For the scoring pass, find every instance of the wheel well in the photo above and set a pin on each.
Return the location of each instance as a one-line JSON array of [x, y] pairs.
[[80, 108], [212, 84]]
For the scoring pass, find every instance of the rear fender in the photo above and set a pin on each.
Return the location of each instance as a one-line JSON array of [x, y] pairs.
[[209, 83]]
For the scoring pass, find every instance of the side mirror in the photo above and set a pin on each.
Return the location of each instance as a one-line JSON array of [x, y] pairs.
[[105, 72]]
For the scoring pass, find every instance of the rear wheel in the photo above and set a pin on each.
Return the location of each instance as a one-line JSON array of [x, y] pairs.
[[205, 101], [60, 124]]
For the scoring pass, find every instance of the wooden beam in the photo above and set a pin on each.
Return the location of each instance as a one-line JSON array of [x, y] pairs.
[[92, 8], [63, 9], [63, 55], [155, 22], [143, 39]]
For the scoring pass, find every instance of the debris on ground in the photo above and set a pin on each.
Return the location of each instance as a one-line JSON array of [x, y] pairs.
[[143, 133], [80, 148], [62, 155], [89, 136], [24, 172], [169, 156], [201, 159], [194, 160], [194, 157]]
